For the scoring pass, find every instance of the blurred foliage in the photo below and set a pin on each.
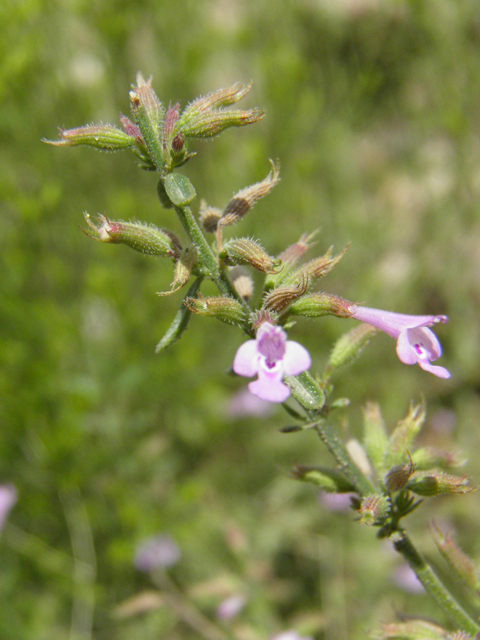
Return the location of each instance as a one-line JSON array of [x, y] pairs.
[[373, 110]]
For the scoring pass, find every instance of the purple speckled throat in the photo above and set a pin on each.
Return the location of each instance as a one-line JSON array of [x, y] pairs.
[[272, 347]]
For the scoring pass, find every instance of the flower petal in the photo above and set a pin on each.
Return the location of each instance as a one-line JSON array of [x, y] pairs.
[[270, 390], [405, 351], [246, 359], [426, 339], [440, 372], [269, 385], [393, 323], [296, 358]]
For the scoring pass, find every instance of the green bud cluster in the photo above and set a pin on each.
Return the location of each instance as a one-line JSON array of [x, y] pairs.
[[158, 135]]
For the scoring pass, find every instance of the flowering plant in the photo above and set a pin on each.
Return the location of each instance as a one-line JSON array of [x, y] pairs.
[[385, 474]]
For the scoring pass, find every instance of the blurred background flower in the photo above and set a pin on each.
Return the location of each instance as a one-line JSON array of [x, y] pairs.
[[8, 497], [159, 552]]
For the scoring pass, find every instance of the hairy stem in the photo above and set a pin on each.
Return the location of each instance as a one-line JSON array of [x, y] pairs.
[[208, 262], [433, 586], [336, 446]]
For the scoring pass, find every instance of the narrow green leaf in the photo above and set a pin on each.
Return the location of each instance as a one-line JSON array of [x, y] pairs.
[[306, 391], [180, 321]]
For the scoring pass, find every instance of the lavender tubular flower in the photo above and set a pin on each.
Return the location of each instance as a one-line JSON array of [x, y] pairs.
[[416, 344], [270, 356]]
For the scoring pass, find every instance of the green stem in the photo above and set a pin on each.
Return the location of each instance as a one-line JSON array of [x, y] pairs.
[[433, 586], [206, 258], [208, 262], [336, 446]]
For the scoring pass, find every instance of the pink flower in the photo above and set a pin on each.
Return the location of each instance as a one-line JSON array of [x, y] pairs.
[[8, 497], [416, 344], [270, 356], [290, 635], [406, 579], [243, 404], [159, 552], [231, 607]]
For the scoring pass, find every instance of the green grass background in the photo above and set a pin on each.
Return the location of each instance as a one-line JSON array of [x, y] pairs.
[[373, 110]]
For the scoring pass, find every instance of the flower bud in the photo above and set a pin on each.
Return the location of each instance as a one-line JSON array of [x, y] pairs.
[[374, 435], [247, 251], [434, 483], [315, 305], [149, 114], [329, 480], [260, 316], [373, 509], [183, 270], [101, 136], [398, 476], [413, 630], [359, 457], [209, 217], [350, 345], [202, 118], [242, 283], [316, 268], [295, 252], [403, 435], [279, 298], [428, 457], [223, 308], [289, 258], [218, 98], [171, 118], [143, 97], [459, 563], [141, 237], [131, 129], [243, 201], [214, 122]]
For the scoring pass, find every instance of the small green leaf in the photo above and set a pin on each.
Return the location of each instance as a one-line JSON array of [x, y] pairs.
[[180, 321], [306, 391], [179, 189]]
